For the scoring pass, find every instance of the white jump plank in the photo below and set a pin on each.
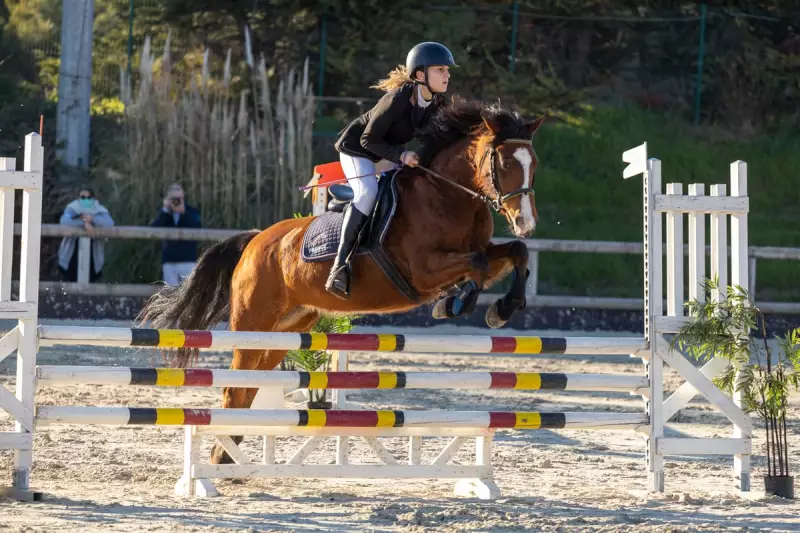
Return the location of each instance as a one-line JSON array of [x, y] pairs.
[[9, 342], [684, 394], [13, 179], [674, 256], [701, 204], [342, 471], [676, 446], [670, 324], [717, 398], [719, 246], [294, 431], [233, 450], [450, 451], [380, 450], [21, 414], [12, 440], [697, 248], [308, 447]]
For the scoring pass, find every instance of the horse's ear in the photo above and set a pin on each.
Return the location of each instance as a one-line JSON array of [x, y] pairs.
[[491, 122], [533, 125]]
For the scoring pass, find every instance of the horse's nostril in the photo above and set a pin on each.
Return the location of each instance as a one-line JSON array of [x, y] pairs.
[[520, 221]]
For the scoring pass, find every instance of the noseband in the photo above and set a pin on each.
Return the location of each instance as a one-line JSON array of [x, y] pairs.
[[500, 198]]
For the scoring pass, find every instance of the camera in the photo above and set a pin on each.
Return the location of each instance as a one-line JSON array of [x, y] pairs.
[[176, 202]]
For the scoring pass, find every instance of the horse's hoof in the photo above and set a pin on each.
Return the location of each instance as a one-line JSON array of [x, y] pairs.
[[439, 310], [455, 306], [219, 456], [449, 307], [493, 319]]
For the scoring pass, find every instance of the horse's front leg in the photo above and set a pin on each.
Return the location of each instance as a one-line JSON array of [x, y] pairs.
[[513, 257], [442, 269]]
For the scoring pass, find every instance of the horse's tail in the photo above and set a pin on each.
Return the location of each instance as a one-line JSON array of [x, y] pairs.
[[202, 300]]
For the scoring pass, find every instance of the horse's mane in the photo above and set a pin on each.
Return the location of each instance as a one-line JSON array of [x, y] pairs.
[[464, 117]]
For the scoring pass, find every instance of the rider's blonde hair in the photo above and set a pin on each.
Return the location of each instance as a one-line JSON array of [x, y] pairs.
[[394, 80]]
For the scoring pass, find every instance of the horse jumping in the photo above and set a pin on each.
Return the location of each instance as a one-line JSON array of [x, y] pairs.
[[439, 239]]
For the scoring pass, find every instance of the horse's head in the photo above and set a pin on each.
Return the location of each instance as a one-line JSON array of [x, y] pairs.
[[506, 167]]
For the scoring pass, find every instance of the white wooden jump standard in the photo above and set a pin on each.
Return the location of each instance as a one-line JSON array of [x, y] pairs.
[[652, 348], [23, 337], [674, 204]]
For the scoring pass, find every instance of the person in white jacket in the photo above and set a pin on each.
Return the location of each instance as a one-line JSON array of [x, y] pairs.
[[86, 212]]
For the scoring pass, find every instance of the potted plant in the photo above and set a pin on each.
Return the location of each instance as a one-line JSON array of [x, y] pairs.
[[764, 376], [317, 360]]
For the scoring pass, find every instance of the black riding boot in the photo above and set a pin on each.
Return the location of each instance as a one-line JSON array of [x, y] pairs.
[[339, 279]]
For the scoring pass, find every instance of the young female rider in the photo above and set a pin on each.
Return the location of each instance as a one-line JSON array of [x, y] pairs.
[[413, 93]]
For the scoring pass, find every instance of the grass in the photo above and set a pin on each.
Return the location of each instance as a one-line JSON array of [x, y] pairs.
[[581, 194]]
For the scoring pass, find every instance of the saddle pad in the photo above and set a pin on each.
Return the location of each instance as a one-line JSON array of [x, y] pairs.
[[322, 237]]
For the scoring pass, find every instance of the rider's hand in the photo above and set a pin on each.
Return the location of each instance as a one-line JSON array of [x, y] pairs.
[[409, 158]]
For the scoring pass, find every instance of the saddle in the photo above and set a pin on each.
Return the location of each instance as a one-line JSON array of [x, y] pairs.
[[321, 239]]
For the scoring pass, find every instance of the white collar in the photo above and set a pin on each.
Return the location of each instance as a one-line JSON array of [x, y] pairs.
[[421, 102]]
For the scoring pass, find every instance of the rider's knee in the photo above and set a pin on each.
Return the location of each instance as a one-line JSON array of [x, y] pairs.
[[365, 201]]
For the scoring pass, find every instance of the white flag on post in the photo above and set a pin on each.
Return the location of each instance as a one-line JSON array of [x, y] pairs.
[[636, 159]]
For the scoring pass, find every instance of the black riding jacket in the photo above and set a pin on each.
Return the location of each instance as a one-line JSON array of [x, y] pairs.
[[383, 131]]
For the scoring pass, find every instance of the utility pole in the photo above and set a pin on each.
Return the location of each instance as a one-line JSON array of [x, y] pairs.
[[75, 84]]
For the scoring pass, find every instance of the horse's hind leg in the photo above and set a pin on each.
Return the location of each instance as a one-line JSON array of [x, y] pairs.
[[299, 319]]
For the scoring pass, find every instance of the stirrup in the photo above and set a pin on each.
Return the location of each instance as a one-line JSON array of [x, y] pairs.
[[338, 282]]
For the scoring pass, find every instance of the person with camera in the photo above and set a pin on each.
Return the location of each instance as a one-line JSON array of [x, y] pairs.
[[178, 258]]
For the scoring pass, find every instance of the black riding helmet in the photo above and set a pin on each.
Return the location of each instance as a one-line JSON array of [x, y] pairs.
[[425, 55]]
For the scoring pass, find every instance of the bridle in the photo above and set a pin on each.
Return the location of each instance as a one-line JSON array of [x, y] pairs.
[[500, 198], [497, 200]]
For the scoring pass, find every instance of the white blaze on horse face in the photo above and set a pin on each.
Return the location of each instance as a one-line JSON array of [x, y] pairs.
[[523, 155]]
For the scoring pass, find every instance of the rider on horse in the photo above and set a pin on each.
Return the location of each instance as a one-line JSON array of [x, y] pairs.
[[377, 138]]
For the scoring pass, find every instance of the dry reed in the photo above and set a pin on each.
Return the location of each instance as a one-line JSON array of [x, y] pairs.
[[240, 157]]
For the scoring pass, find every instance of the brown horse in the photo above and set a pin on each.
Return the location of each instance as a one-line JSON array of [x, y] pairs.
[[439, 239]]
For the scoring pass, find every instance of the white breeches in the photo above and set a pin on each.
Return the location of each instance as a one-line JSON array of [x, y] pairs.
[[365, 189]]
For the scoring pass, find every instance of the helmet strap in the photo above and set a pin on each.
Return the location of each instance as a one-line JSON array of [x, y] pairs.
[[424, 82]]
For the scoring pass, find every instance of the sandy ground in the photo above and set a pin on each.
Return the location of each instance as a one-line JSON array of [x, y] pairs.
[[121, 478]]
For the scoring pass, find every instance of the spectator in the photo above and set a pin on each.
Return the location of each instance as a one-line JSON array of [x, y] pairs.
[[177, 257], [86, 212]]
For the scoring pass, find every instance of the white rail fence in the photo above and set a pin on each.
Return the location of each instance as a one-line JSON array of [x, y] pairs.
[[535, 247]]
